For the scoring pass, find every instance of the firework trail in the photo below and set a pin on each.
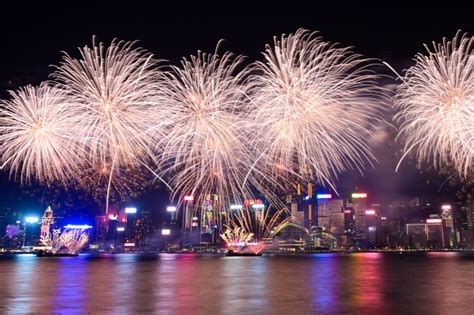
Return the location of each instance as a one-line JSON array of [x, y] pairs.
[[204, 151], [116, 89], [261, 223], [38, 128], [436, 106], [312, 105]]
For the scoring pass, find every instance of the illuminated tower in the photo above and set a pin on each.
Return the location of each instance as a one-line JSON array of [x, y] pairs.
[[46, 221], [209, 227]]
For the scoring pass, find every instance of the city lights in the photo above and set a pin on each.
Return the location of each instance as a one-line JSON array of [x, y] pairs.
[[31, 219], [323, 196], [188, 198], [131, 210], [359, 195], [434, 220], [78, 226], [129, 244], [258, 206], [171, 209], [446, 207], [236, 207], [370, 212], [120, 229], [165, 232], [113, 217]]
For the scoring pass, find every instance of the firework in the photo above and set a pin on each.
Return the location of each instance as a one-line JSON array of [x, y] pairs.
[[436, 105], [38, 128], [261, 223], [311, 107], [70, 241], [116, 89], [127, 182], [204, 151], [236, 235]]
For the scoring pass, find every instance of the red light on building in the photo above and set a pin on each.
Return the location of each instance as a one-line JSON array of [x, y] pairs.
[[369, 212], [434, 221], [250, 202], [189, 198]]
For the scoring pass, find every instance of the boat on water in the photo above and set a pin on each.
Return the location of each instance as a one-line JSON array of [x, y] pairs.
[[48, 254], [232, 253]]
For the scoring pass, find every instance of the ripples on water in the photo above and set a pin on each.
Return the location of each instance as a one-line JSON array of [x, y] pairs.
[[194, 284]]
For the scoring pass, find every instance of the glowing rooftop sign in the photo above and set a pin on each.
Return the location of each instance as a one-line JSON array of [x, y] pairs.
[[31, 219], [130, 210], [113, 217], [370, 212], [446, 207], [323, 196], [78, 226], [171, 209], [165, 232], [236, 207], [120, 229], [359, 195], [434, 220], [189, 198], [258, 206]]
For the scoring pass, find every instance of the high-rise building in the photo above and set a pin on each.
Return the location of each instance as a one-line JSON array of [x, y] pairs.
[[46, 221], [144, 228], [427, 235], [329, 209]]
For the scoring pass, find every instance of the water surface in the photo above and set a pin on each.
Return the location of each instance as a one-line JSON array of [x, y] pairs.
[[211, 284]]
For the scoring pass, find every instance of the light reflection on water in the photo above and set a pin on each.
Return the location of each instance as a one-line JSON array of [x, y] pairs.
[[192, 283]]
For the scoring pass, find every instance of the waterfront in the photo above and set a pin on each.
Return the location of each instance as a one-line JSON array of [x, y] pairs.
[[202, 283]]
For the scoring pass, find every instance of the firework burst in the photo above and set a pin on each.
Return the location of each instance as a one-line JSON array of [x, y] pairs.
[[436, 105], [38, 128], [116, 88], [261, 223], [204, 150], [312, 102]]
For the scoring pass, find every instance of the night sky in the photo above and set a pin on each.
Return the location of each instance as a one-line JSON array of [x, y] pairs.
[[33, 40]]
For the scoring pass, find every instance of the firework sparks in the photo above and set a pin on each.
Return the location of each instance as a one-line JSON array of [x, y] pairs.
[[436, 103], [259, 222], [236, 235], [204, 152], [38, 128], [312, 102], [116, 88], [127, 182]]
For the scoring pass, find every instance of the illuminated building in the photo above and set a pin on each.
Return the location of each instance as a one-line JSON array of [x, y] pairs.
[[427, 235], [359, 204], [144, 228], [46, 221], [188, 212], [303, 206], [328, 210], [130, 227], [447, 216], [112, 228], [209, 226], [100, 228]]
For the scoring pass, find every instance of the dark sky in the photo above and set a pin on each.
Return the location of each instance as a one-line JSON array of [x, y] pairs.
[[33, 38]]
